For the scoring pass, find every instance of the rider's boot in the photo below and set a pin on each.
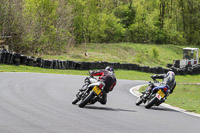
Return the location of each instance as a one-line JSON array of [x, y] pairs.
[[103, 100], [147, 93]]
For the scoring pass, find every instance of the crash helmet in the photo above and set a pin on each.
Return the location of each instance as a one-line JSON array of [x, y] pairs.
[[170, 73], [109, 68], [170, 79]]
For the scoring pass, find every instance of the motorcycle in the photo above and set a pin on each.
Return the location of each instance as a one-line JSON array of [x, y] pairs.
[[152, 98], [91, 90]]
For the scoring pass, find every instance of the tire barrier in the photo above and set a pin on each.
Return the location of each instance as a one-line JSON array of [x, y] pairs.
[[30, 61], [39, 62], [16, 59], [23, 60], [176, 63], [6, 57], [11, 58]]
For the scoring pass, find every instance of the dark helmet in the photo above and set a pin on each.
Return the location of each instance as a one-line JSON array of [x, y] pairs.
[[109, 68]]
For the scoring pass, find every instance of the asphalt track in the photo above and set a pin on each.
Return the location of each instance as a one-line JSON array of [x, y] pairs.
[[41, 103]]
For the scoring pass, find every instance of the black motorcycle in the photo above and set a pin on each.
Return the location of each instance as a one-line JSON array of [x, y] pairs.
[[153, 97], [91, 90]]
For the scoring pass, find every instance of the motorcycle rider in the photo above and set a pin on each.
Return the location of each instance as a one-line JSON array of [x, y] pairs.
[[167, 85], [108, 77]]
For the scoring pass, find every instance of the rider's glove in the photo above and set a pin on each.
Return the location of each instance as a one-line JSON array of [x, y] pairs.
[[90, 72], [153, 77], [87, 80]]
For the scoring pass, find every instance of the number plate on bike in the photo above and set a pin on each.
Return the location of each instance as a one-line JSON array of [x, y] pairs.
[[161, 93], [97, 90]]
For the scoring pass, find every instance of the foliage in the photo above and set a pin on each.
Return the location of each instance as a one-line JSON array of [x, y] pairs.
[[36, 26], [126, 14], [41, 26], [94, 22], [42, 30], [47, 31]]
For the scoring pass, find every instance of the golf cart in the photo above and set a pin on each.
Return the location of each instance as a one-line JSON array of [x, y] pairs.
[[190, 58]]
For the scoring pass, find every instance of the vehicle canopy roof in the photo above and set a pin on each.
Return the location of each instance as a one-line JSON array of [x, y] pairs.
[[192, 49]]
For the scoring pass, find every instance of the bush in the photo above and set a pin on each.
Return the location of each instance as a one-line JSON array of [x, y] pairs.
[[155, 53], [161, 37]]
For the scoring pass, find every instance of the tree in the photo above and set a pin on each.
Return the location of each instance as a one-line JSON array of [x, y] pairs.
[[11, 21], [126, 14]]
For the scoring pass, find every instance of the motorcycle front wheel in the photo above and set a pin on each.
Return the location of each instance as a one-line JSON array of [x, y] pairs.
[[75, 100], [87, 99], [139, 101]]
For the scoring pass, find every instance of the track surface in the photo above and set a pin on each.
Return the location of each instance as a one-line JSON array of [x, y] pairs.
[[41, 103]]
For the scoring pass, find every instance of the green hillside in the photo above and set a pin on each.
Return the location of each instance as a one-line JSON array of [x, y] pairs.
[[143, 54]]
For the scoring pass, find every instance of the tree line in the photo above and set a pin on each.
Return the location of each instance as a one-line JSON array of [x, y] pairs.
[[41, 26]]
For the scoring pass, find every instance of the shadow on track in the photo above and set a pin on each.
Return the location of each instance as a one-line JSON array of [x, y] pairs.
[[160, 108], [108, 109]]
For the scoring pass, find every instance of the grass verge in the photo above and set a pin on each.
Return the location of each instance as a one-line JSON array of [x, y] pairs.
[[186, 97], [21, 68], [120, 74]]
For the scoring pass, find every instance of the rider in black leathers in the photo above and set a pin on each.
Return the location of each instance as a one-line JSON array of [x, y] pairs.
[[168, 83], [108, 77]]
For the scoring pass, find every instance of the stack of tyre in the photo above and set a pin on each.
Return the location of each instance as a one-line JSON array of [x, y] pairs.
[[12, 58]]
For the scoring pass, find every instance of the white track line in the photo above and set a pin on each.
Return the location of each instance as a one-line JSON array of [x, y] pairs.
[[135, 92]]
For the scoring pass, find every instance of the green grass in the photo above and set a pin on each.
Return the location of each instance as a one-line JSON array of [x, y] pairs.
[[186, 97], [21, 68], [143, 54], [120, 74], [143, 88]]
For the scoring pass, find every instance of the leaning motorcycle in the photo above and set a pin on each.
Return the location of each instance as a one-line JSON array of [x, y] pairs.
[[91, 90], [154, 98]]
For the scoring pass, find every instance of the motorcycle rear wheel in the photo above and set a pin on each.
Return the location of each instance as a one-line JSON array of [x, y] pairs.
[[151, 103], [87, 100]]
